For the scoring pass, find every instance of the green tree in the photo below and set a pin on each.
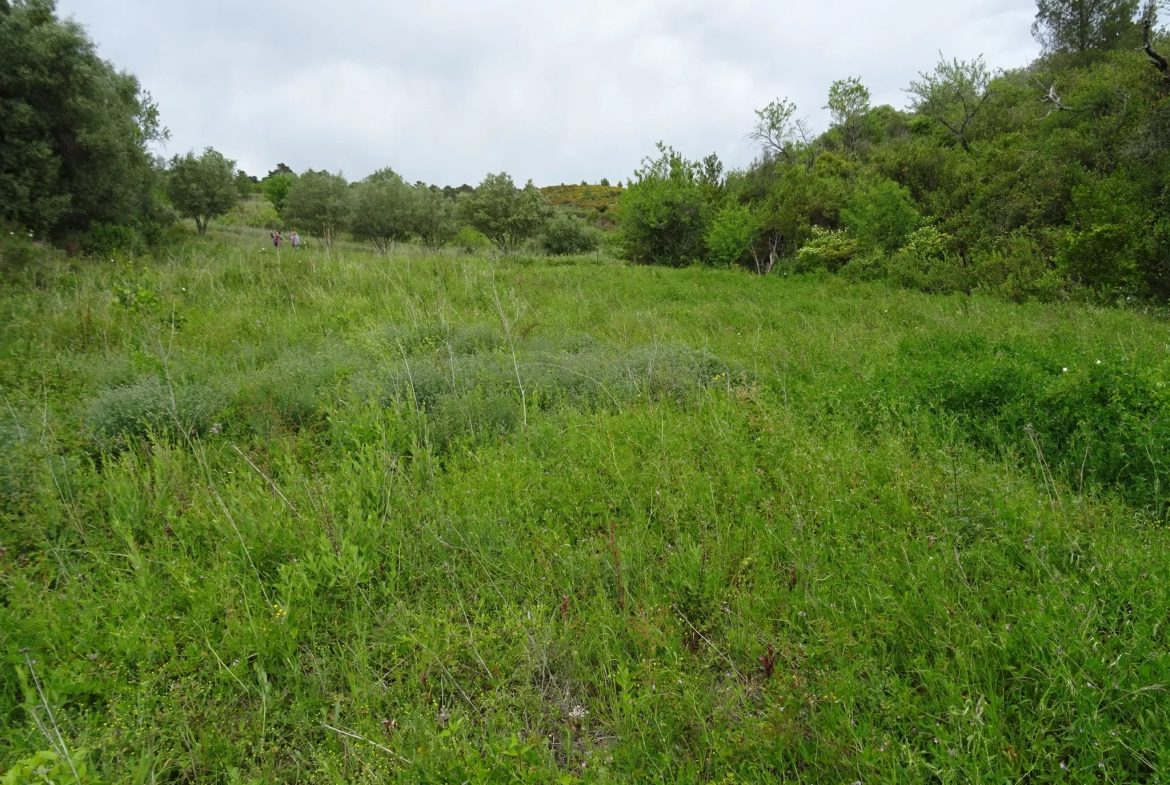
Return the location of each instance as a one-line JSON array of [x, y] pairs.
[[953, 95], [848, 105], [383, 210], [246, 184], [275, 188], [74, 132], [779, 133], [1078, 26], [663, 213], [505, 214], [436, 220], [321, 204], [202, 188]]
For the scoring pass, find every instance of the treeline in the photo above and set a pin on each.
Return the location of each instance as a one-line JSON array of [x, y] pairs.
[[1031, 183], [76, 168]]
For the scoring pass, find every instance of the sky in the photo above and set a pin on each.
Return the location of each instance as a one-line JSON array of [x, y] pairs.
[[557, 91]]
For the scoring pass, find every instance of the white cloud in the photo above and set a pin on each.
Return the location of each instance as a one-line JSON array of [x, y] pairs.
[[555, 90]]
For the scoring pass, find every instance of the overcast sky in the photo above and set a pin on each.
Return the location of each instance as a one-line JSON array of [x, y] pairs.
[[554, 90]]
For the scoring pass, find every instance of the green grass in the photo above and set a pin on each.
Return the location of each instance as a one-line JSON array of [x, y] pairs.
[[536, 521]]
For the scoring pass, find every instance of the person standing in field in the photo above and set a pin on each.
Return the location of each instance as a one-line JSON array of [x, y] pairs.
[[276, 238], [296, 240]]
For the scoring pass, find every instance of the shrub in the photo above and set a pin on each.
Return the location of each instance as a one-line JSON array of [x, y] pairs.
[[118, 415], [566, 235], [826, 250], [1093, 421], [17, 249], [471, 241], [105, 240], [663, 215], [882, 216], [729, 238], [926, 263], [1019, 267]]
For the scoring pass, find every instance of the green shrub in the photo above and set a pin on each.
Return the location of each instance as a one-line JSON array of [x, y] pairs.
[[663, 214], [565, 235], [927, 263], [105, 240], [471, 241], [121, 414], [1094, 423], [1018, 267], [882, 216], [729, 237], [49, 768], [827, 250], [17, 249]]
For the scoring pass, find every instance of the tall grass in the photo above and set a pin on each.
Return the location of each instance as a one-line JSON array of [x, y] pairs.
[[341, 518]]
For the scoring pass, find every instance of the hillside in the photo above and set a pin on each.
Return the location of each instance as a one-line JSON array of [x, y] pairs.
[[595, 203], [332, 517]]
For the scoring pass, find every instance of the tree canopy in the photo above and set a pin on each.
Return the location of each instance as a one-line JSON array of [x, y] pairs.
[[75, 131], [321, 204], [202, 188], [505, 214]]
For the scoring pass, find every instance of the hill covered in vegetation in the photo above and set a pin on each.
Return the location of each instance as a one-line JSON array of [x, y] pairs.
[[1035, 182]]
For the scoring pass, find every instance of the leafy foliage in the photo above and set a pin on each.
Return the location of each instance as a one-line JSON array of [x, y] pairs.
[[321, 203], [565, 235], [75, 130], [664, 213], [202, 188], [506, 215], [383, 210]]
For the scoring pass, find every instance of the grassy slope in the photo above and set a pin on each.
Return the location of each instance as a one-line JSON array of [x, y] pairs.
[[311, 548]]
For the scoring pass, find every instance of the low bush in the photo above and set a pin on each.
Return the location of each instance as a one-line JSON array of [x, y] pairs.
[[1091, 423], [150, 408], [565, 236], [826, 250]]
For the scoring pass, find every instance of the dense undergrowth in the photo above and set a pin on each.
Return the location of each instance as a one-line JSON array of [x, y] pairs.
[[529, 521]]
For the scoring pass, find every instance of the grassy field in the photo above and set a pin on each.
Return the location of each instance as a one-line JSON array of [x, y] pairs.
[[328, 517]]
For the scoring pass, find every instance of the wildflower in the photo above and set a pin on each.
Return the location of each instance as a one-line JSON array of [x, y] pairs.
[[1098, 362], [578, 713], [1066, 370], [1064, 765]]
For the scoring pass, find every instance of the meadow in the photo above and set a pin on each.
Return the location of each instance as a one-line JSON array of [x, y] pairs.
[[335, 517]]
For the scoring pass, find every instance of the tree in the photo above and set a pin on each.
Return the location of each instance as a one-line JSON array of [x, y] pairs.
[[276, 187], [435, 218], [1149, 19], [320, 203], [953, 95], [383, 210], [663, 213], [505, 214], [1078, 26], [74, 132], [778, 131], [246, 184], [848, 105], [202, 188]]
